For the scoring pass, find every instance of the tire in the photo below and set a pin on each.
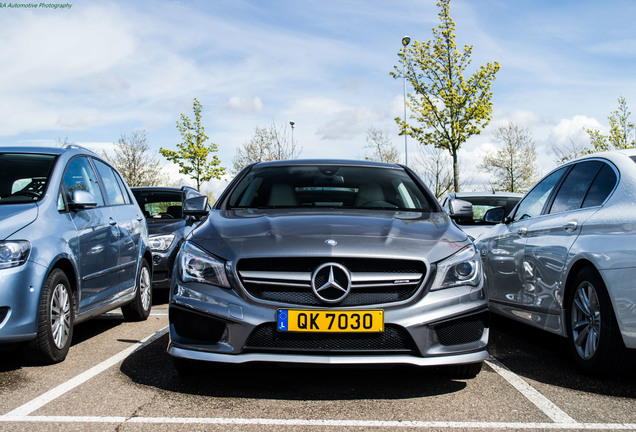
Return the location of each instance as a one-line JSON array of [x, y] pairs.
[[139, 308], [594, 338], [464, 371], [56, 316]]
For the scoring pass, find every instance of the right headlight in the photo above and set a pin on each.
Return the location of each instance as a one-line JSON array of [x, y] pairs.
[[14, 253], [462, 268], [197, 265]]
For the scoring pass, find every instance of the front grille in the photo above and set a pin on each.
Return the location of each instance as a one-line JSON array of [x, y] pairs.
[[373, 281], [394, 340], [462, 331]]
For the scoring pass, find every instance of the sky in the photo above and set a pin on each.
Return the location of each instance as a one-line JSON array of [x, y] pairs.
[[97, 70]]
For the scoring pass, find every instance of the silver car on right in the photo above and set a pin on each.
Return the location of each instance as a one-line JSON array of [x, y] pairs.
[[564, 259]]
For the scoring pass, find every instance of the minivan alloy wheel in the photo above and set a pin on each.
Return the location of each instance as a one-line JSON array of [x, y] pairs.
[[60, 315], [145, 286]]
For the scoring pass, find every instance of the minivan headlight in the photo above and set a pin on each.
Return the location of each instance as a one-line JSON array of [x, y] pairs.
[[462, 268], [199, 266], [14, 253]]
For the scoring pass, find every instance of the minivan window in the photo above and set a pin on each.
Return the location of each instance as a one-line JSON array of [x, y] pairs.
[[534, 201], [24, 176], [79, 175], [575, 186], [114, 194]]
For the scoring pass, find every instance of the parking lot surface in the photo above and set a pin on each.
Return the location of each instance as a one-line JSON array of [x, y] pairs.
[[118, 376]]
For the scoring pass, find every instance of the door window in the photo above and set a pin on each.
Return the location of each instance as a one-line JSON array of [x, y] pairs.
[[575, 186], [602, 186], [79, 175], [113, 191], [534, 201]]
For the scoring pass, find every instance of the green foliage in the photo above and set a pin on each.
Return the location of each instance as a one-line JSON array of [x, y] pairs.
[[447, 107], [192, 156], [621, 134]]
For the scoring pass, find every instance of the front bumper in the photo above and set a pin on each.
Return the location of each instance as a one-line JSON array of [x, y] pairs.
[[442, 327]]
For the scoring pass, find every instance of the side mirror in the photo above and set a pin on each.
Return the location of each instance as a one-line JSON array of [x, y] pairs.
[[460, 209], [495, 215], [196, 206], [82, 200]]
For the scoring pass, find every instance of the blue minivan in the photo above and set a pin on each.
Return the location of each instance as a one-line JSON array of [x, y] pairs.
[[73, 245]]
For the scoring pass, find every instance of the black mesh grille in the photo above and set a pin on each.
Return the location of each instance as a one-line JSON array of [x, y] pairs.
[[196, 327], [301, 294], [462, 331], [393, 340]]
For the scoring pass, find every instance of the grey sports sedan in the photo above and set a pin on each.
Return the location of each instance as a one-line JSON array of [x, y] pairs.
[[564, 259], [329, 262]]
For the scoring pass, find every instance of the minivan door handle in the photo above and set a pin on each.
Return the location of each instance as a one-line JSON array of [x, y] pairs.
[[522, 232], [571, 226]]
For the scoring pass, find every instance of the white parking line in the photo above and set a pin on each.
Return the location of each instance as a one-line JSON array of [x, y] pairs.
[[321, 423], [58, 391], [561, 420], [530, 393]]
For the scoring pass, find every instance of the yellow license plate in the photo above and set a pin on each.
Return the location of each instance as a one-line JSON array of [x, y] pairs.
[[316, 320]]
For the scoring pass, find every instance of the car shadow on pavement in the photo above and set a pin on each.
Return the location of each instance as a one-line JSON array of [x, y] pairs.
[[152, 366], [544, 357]]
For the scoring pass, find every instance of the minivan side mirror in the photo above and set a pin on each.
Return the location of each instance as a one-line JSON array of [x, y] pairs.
[[82, 200], [495, 215], [460, 209], [196, 206]]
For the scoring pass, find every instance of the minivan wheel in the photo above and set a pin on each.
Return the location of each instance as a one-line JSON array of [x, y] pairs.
[[55, 321], [593, 335], [139, 308]]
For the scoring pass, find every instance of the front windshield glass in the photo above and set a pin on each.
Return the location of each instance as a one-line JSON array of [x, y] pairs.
[[160, 204], [24, 177], [329, 186]]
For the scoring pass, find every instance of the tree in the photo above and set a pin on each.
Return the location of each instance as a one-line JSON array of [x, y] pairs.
[[135, 162], [514, 164], [448, 108], [266, 144], [568, 152], [192, 156], [621, 134], [382, 149], [434, 168]]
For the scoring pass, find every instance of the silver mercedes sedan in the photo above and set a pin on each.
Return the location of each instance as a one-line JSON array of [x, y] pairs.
[[328, 262], [565, 259]]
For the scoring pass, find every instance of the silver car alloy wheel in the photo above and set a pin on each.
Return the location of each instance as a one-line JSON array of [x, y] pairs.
[[145, 286], [586, 320], [60, 315]]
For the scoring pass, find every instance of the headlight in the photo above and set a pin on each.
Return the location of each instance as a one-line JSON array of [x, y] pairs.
[[14, 253], [462, 268], [161, 243], [199, 266]]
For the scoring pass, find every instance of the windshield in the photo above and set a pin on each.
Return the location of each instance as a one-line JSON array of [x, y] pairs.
[[329, 186], [24, 176], [160, 204]]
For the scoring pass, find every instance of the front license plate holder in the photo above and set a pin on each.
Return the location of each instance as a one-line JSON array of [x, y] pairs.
[[330, 320]]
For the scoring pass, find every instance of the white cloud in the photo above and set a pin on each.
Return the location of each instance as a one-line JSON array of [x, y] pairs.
[[246, 103]]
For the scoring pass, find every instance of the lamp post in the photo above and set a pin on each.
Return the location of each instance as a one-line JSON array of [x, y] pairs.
[[292, 144], [405, 41]]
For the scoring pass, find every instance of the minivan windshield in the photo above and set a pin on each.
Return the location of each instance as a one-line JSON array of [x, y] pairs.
[[346, 187], [24, 176]]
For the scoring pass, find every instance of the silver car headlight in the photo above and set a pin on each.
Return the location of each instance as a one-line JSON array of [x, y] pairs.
[[14, 253], [462, 268], [199, 266], [161, 243]]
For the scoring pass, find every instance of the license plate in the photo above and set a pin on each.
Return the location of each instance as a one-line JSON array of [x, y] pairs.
[[315, 320]]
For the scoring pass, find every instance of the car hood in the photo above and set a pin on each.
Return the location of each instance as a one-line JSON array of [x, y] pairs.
[[158, 227], [360, 233], [14, 217]]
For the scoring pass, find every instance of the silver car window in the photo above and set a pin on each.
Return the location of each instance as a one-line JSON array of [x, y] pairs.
[[602, 186], [575, 186], [533, 203]]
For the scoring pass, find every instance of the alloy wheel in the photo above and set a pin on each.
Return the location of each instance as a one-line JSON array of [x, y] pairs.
[[60, 315], [586, 320]]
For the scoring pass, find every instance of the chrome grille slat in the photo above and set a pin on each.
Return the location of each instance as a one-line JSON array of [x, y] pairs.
[[288, 280]]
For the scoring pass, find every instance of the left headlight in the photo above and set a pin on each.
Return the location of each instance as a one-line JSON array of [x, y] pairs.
[[199, 266], [161, 243], [14, 253], [462, 268]]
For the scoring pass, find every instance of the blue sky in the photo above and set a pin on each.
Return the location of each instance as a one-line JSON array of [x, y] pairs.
[[102, 69]]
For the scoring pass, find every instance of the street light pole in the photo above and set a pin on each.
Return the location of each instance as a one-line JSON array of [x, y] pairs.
[[292, 143], [405, 41]]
